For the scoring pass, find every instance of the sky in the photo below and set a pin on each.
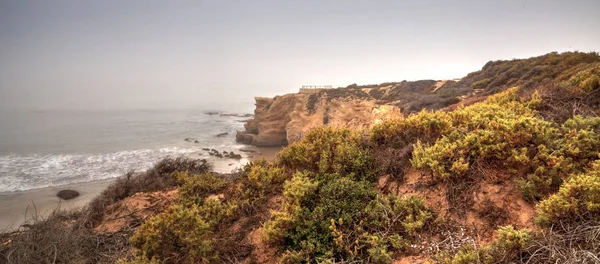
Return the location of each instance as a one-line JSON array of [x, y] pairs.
[[109, 54]]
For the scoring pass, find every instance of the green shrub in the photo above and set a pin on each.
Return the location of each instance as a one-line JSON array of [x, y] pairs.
[[469, 255], [328, 150], [512, 240], [481, 84], [501, 128], [180, 234], [193, 188], [426, 126], [259, 180], [342, 219], [578, 199], [341, 199]]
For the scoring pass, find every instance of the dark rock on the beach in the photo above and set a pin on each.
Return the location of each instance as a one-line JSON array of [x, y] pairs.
[[67, 194], [235, 156], [206, 149], [219, 155], [212, 113], [231, 164], [214, 150], [211, 153], [187, 139], [250, 156], [196, 141], [222, 134]]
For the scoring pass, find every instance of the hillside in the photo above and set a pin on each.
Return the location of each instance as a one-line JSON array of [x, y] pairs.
[[506, 173], [281, 120]]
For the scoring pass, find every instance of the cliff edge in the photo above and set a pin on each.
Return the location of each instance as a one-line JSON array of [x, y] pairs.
[[284, 119]]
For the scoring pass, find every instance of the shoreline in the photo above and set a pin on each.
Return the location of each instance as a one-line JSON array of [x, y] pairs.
[[19, 206]]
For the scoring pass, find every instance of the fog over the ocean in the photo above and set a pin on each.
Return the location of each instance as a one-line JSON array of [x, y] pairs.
[[157, 54]]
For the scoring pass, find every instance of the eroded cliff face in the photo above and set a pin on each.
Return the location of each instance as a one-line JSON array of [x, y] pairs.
[[284, 119]]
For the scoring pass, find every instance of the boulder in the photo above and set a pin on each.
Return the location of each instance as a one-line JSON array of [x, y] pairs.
[[206, 149], [236, 156], [187, 139], [219, 155], [196, 141], [67, 194]]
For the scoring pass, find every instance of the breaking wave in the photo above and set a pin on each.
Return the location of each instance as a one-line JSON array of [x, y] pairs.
[[19, 173]]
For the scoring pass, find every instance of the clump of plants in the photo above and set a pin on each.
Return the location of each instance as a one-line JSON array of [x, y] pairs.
[[184, 233], [180, 234], [331, 211], [326, 151], [577, 200]]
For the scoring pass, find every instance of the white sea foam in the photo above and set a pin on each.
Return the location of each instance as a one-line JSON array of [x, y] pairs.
[[18, 173]]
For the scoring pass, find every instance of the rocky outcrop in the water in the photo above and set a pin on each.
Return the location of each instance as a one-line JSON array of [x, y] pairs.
[[283, 119]]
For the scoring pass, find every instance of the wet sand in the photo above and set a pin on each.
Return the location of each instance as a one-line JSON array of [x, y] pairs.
[[16, 207]]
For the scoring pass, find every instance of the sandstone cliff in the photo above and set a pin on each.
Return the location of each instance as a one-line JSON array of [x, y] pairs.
[[284, 119]]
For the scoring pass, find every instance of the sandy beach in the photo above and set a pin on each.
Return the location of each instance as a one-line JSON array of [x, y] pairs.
[[16, 207]]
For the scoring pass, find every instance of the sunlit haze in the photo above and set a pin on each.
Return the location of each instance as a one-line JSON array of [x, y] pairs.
[[145, 54]]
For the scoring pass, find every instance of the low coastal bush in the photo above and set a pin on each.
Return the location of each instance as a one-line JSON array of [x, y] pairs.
[[338, 218], [177, 235], [260, 179], [193, 188], [159, 177], [505, 131], [329, 150], [578, 200]]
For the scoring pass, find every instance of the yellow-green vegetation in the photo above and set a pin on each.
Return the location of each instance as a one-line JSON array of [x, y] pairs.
[[503, 131], [180, 230], [331, 211], [578, 200], [260, 179], [533, 72], [183, 232], [326, 151]]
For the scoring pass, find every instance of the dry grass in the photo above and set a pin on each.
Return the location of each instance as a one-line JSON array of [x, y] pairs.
[[562, 103], [60, 238], [567, 244]]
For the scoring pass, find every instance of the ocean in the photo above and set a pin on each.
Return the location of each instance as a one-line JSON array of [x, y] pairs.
[[59, 147]]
